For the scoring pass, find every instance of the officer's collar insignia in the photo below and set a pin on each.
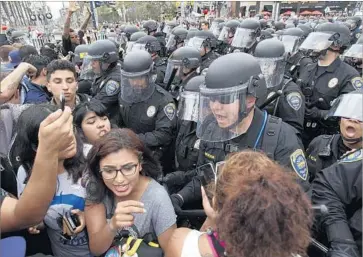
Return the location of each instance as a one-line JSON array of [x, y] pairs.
[[357, 82], [353, 156], [299, 164]]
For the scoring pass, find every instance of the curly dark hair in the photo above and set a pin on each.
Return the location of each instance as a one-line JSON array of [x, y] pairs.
[[113, 141], [261, 210]]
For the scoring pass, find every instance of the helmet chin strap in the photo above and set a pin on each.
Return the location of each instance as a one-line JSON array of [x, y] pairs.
[[352, 140]]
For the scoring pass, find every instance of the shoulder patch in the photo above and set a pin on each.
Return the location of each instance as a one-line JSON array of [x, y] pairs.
[[353, 157], [357, 35], [357, 82], [299, 164], [112, 87], [294, 99], [169, 111]]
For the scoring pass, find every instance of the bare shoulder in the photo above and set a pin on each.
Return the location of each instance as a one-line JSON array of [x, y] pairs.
[[176, 242]]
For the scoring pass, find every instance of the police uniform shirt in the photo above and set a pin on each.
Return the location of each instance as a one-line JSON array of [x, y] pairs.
[[160, 66], [153, 120], [187, 143], [330, 82], [107, 87], [324, 151], [290, 106], [339, 187]]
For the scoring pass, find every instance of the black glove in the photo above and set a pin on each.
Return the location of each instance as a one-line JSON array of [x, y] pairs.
[[343, 249], [176, 178], [315, 113], [177, 202]]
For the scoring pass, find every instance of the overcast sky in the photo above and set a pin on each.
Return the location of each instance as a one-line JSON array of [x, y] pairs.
[[55, 7]]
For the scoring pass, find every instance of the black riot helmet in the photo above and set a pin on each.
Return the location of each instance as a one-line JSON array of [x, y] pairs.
[[326, 36], [279, 25], [134, 37], [354, 22], [306, 29], [176, 38], [150, 26], [270, 54], [188, 105], [129, 30], [228, 31], [169, 27], [246, 34], [136, 77], [186, 59], [292, 38], [265, 34], [203, 40], [290, 25], [223, 96], [80, 52], [103, 51], [148, 43]]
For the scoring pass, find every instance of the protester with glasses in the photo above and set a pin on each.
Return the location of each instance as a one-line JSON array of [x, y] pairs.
[[122, 193]]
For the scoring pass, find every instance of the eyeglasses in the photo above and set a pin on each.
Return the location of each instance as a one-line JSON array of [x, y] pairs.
[[126, 170]]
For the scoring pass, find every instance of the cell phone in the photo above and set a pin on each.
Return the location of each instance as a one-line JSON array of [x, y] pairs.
[[62, 101], [206, 173]]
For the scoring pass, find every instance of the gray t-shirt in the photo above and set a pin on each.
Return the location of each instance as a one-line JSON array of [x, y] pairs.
[[159, 216]]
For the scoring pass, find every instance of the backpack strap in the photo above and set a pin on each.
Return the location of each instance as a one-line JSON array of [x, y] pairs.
[[271, 136]]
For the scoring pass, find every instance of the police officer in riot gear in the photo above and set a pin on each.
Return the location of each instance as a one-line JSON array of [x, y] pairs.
[[152, 45], [290, 105], [306, 29], [86, 74], [182, 63], [245, 38], [325, 150], [176, 39], [354, 24], [133, 38], [191, 34], [325, 80], [263, 24], [187, 141], [339, 187], [103, 57], [226, 36], [205, 42], [229, 122], [354, 56], [151, 27], [292, 39], [129, 30], [265, 34], [146, 108]]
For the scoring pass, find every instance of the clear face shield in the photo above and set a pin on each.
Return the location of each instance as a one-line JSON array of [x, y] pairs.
[[290, 43], [129, 46], [244, 38], [196, 42], [214, 27], [172, 65], [225, 34], [355, 51], [352, 24], [87, 72], [136, 87], [188, 106], [138, 46], [171, 42], [167, 30], [221, 112], [317, 42], [348, 106], [273, 70]]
